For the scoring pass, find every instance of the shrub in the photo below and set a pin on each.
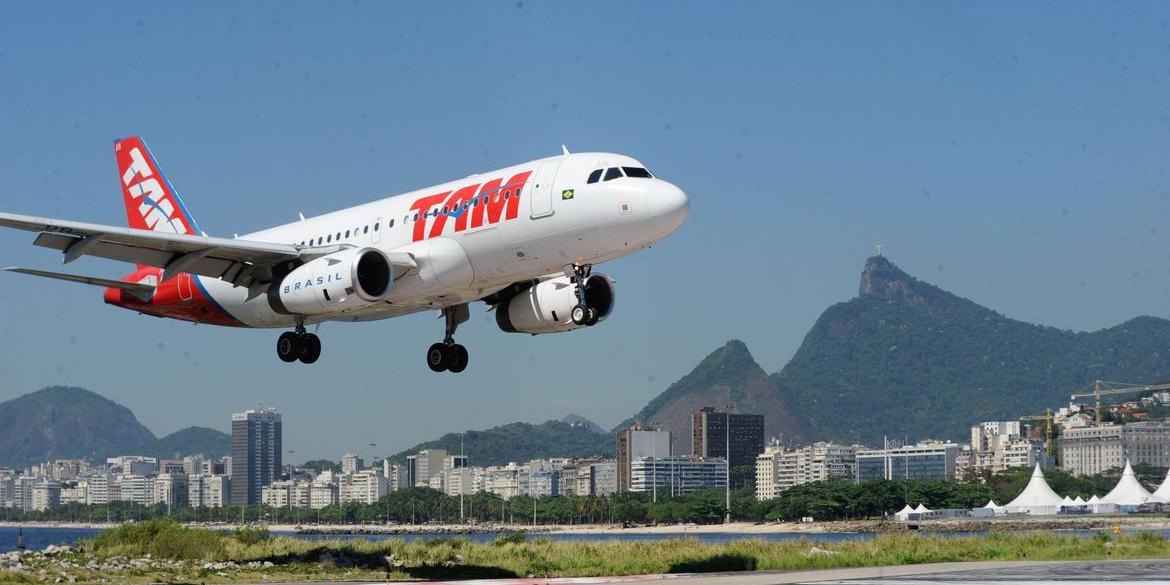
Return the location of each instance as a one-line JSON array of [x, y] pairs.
[[514, 537], [249, 535]]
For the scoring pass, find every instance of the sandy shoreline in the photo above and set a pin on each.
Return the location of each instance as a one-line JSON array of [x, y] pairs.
[[745, 528]]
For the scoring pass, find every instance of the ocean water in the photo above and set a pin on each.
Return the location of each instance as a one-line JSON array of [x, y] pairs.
[[38, 537]]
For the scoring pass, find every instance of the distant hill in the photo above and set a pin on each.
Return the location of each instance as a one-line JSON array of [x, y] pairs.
[[72, 423], [908, 359], [729, 376], [521, 442], [209, 442], [582, 422]]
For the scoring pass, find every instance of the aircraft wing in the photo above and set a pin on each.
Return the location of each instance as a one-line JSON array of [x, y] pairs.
[[240, 262]]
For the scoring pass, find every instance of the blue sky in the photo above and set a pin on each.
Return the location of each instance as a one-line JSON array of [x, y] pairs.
[[1013, 153]]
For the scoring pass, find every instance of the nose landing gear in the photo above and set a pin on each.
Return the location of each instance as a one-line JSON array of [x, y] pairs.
[[582, 314], [298, 345], [449, 356]]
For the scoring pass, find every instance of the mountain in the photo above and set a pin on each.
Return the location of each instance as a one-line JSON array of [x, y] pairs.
[[73, 423], [729, 376], [577, 420], [209, 442], [521, 442], [909, 360]]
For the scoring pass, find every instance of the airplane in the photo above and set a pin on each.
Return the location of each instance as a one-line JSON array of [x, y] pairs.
[[522, 239]]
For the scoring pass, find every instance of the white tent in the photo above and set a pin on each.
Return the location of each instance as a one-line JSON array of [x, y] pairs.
[[1128, 493], [1037, 498], [1163, 491], [904, 514], [1093, 500], [1067, 501], [921, 509], [991, 504], [1079, 501]]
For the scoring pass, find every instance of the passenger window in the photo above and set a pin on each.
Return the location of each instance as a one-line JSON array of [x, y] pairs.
[[329, 238], [347, 233], [338, 236], [507, 195], [366, 229], [390, 225], [637, 172], [613, 173], [416, 217], [595, 176]]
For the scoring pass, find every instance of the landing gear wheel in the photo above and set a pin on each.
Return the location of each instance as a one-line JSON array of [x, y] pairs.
[[437, 357], [311, 348], [594, 317], [581, 314], [288, 347], [456, 358]]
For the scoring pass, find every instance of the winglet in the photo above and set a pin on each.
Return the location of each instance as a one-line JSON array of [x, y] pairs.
[[565, 149]]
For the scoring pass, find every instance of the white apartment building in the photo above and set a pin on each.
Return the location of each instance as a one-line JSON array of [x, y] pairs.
[[350, 463], [77, 493], [677, 475], [138, 489], [364, 487], [1092, 450], [208, 491], [778, 469], [98, 492], [322, 495], [46, 495], [170, 489]]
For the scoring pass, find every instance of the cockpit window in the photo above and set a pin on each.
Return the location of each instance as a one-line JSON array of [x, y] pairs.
[[637, 172], [595, 176], [613, 173]]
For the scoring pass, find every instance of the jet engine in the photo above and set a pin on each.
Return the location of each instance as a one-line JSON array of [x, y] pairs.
[[547, 306], [334, 283]]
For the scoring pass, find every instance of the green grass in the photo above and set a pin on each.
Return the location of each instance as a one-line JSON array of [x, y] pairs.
[[460, 558]]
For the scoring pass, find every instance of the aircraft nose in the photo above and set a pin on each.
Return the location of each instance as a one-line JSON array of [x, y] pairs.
[[669, 206]]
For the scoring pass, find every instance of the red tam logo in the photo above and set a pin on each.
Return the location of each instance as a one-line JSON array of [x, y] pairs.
[[471, 207]]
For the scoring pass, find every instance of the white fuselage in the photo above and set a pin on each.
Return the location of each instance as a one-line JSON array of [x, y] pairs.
[[463, 252]]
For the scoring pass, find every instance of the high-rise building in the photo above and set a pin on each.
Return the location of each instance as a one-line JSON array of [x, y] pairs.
[[1092, 450], [710, 433], [351, 463], [171, 490], [429, 462], [637, 442], [256, 453]]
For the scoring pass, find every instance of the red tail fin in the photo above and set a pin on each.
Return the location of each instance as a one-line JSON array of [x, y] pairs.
[[151, 201]]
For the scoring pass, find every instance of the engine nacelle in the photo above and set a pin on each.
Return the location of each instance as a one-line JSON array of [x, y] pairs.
[[338, 282], [547, 306]]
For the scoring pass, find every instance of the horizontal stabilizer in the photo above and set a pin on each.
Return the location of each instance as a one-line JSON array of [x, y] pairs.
[[137, 289]]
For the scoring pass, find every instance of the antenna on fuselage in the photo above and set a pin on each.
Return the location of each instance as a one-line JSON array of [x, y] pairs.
[[565, 149]]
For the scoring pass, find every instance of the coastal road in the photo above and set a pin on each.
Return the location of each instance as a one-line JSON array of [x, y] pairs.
[[992, 572]]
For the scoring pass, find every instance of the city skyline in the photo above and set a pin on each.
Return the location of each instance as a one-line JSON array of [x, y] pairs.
[[997, 150]]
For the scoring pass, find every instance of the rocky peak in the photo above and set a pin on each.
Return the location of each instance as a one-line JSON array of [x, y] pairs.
[[881, 278]]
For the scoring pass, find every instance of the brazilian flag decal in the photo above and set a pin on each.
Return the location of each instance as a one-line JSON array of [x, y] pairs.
[[566, 195]]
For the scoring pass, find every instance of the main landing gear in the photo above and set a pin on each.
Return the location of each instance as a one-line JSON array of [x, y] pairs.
[[298, 345], [448, 355], [582, 314]]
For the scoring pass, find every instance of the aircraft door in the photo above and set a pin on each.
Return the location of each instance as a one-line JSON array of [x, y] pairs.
[[541, 189]]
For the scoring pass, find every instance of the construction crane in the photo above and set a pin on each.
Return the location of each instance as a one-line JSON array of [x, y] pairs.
[[1047, 418], [1099, 390]]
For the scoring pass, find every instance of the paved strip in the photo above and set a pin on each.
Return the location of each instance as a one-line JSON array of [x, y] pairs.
[[968, 573]]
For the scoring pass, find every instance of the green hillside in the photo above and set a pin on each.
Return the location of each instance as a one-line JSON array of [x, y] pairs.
[[908, 359]]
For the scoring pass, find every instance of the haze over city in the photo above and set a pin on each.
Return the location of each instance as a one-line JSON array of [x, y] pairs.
[[1010, 154]]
